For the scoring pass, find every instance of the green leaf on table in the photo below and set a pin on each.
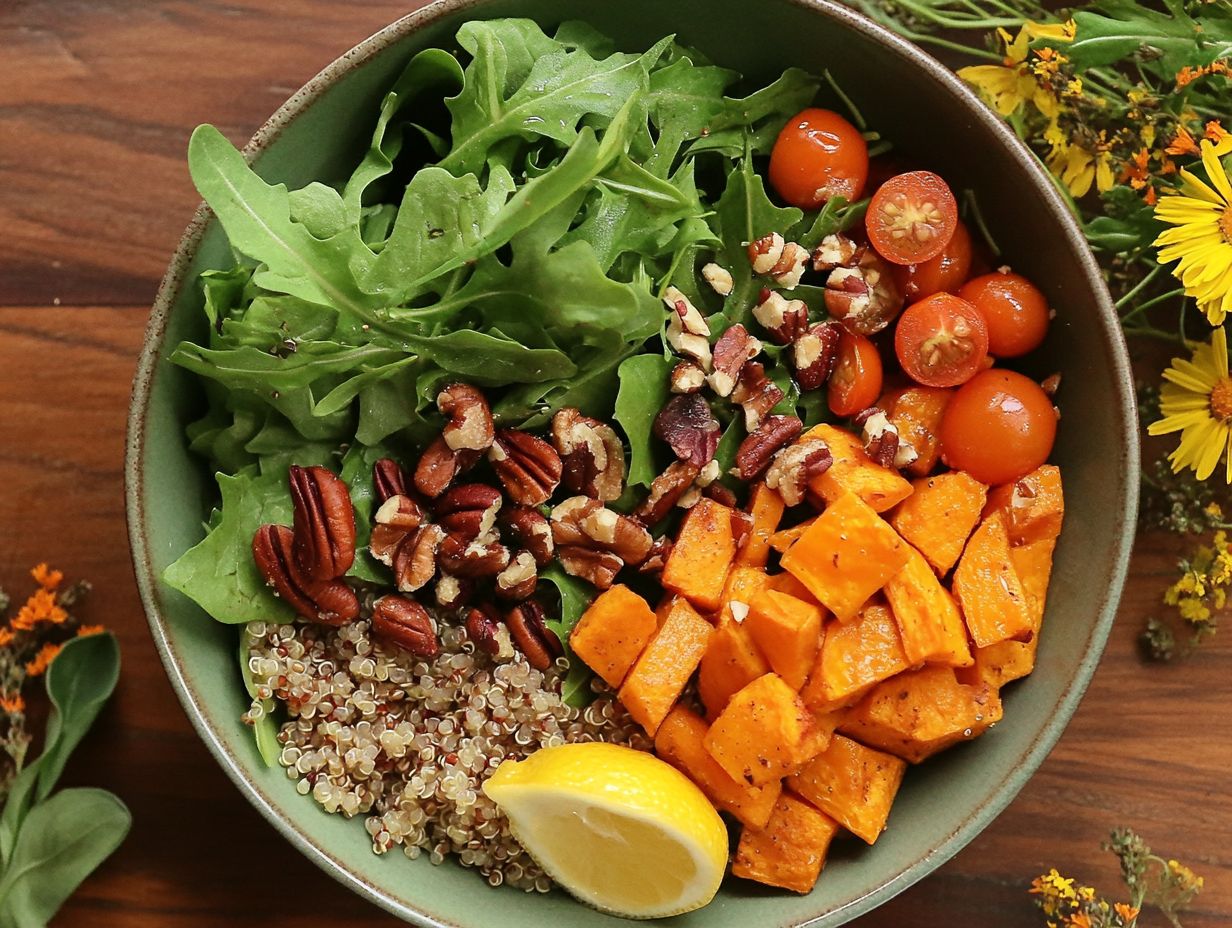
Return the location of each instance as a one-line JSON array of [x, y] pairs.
[[1110, 30], [644, 390]]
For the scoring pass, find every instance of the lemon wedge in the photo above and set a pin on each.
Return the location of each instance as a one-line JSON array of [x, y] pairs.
[[618, 828]]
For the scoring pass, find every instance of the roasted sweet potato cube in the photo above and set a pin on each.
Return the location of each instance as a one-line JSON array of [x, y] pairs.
[[921, 712], [612, 632], [916, 412], [938, 518], [928, 621], [766, 507], [1033, 564], [790, 851], [1033, 506], [854, 657], [852, 784], [787, 583], [703, 553], [846, 556], [679, 741], [988, 590], [652, 687], [784, 538], [732, 661], [788, 632], [764, 733], [743, 583], [853, 471]]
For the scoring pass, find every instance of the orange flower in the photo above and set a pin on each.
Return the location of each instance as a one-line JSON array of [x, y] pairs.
[[12, 703], [90, 630], [1215, 132], [1127, 912], [40, 607], [1187, 75], [43, 659], [47, 579], [1151, 196], [1079, 920], [1183, 143], [1136, 170], [6, 637]]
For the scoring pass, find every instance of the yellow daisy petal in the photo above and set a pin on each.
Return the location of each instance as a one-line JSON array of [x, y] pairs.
[[1215, 171]]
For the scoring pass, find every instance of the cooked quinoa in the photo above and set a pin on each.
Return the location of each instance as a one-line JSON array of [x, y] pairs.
[[407, 743]]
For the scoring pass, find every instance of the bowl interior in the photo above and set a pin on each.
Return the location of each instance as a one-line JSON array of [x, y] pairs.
[[918, 105]]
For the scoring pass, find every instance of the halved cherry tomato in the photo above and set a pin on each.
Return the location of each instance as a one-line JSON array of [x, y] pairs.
[[818, 155], [941, 341], [1014, 310], [855, 383], [912, 217], [998, 427], [942, 274]]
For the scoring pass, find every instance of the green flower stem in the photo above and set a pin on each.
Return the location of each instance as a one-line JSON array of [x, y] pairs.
[[1138, 287], [1149, 331]]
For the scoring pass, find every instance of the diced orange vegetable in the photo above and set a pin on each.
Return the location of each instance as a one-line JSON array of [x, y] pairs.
[[1033, 506], [783, 539], [679, 741], [854, 657], [787, 583], [612, 632], [743, 583], [664, 667], [766, 507], [1033, 564], [764, 733], [928, 621], [703, 553], [846, 556], [1000, 663], [732, 661], [988, 590], [939, 516], [790, 851], [853, 784], [916, 412], [788, 632], [921, 712], [853, 471]]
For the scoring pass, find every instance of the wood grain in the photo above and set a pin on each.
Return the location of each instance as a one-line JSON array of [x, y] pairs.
[[96, 102]]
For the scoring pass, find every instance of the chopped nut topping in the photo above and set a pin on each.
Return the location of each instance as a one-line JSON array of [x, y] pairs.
[[795, 466], [687, 377], [719, 278], [784, 320], [687, 331], [884, 444]]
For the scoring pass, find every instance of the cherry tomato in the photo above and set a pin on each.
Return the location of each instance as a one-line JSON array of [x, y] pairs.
[[941, 341], [998, 427], [855, 383], [818, 155], [942, 274], [1013, 308], [912, 217]]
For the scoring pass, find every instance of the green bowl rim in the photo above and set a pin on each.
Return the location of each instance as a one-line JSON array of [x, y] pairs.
[[949, 845]]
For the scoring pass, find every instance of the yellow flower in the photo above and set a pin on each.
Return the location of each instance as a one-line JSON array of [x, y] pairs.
[[1185, 878], [1011, 84], [1201, 238], [1196, 400], [1079, 168]]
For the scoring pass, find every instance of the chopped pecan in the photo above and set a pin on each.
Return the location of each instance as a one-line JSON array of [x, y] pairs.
[[687, 377], [1051, 384], [385, 541], [415, 560], [795, 466], [764, 253], [470, 426], [400, 511], [733, 349], [784, 320], [836, 250], [528, 467], [720, 493], [532, 637], [741, 523], [756, 394], [689, 428], [882, 441], [453, 592], [709, 474], [483, 626], [865, 298], [518, 580], [407, 624], [665, 491], [530, 529], [592, 454], [687, 331], [388, 479], [583, 521], [598, 568], [469, 510], [719, 278], [657, 557], [440, 464], [759, 448], [478, 557], [883, 449], [814, 353], [324, 525], [780, 260], [331, 602]]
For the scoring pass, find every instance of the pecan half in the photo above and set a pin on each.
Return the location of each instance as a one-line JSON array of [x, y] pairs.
[[665, 491], [837, 250], [405, 623], [415, 561], [687, 331], [598, 568], [385, 541], [469, 510], [813, 355], [583, 521], [532, 637], [518, 580], [784, 320], [656, 559], [687, 377], [528, 467], [453, 592], [440, 464], [388, 479], [592, 455], [331, 602], [483, 626], [689, 428], [401, 512], [756, 394], [865, 298], [796, 466], [324, 523], [532, 531], [479, 557], [734, 348], [470, 424], [759, 447]]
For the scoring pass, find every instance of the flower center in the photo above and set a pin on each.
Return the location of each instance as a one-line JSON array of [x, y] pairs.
[[1225, 224], [1221, 399]]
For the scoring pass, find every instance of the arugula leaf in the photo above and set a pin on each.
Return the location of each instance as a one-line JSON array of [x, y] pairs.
[[265, 729], [644, 390], [575, 596], [1114, 29], [756, 120], [492, 358]]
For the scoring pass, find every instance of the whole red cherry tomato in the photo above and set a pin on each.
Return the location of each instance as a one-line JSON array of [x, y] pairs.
[[1014, 309], [855, 383], [817, 156], [942, 274], [998, 427], [911, 217], [941, 341]]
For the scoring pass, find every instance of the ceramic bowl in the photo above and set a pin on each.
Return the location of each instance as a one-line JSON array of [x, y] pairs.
[[930, 116]]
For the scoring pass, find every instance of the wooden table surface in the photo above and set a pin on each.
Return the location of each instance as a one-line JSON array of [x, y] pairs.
[[97, 98]]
